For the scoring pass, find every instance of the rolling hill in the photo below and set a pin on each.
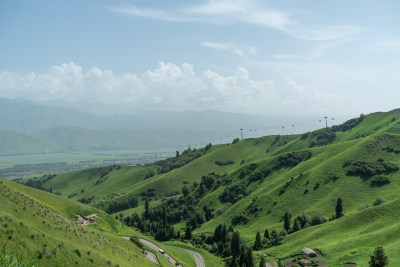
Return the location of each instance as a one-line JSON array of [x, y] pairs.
[[42, 227], [250, 184]]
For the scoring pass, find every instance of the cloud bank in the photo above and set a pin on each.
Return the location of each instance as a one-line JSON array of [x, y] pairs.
[[167, 87]]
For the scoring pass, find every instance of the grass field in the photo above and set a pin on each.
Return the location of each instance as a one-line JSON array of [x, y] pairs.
[[306, 185], [42, 228]]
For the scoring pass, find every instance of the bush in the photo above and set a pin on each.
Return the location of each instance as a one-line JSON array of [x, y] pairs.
[[379, 201], [368, 169], [380, 181], [233, 193], [293, 158], [223, 163], [239, 219], [323, 137]]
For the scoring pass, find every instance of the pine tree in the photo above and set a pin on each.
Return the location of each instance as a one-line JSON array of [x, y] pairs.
[[266, 234], [378, 258], [249, 258], [164, 216], [235, 245], [257, 242], [188, 233], [262, 262], [286, 221], [296, 225], [146, 209], [339, 208]]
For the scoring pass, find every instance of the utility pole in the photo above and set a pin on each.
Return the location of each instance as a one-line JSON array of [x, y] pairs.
[[326, 121], [241, 133]]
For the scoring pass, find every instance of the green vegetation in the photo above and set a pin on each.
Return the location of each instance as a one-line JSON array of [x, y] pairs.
[[317, 190]]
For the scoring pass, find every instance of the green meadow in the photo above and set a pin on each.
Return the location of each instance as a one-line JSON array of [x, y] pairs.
[[252, 183]]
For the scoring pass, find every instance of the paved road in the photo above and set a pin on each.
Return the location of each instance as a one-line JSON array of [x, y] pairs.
[[198, 258], [150, 255], [155, 247]]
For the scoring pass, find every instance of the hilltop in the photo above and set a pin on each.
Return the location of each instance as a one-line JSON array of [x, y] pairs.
[[250, 184]]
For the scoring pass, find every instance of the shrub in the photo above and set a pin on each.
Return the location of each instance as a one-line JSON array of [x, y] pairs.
[[239, 219], [379, 201], [380, 181], [223, 163]]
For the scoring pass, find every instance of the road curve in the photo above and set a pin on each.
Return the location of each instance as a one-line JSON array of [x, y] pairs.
[[150, 255], [156, 248], [198, 258]]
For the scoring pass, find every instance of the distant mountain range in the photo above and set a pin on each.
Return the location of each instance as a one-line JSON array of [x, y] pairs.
[[34, 127]]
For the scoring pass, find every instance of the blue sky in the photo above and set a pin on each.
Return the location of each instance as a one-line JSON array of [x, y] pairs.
[[262, 57]]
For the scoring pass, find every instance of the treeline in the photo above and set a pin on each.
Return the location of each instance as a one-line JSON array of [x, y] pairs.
[[117, 205], [178, 161], [38, 182]]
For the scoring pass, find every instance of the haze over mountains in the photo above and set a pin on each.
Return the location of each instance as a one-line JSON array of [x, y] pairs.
[[41, 127]]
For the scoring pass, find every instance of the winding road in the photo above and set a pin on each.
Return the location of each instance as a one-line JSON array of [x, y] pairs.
[[151, 256], [198, 258]]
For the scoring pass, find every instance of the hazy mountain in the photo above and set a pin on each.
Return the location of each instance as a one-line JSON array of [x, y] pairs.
[[42, 127]]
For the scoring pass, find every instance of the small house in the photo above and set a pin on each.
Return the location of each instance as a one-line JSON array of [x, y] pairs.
[[309, 252]]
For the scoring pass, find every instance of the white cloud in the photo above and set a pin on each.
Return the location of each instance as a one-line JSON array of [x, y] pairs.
[[149, 13], [168, 87], [250, 12], [231, 48]]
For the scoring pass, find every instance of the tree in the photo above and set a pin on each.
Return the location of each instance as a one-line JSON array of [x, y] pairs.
[[188, 233], [296, 225], [164, 216], [266, 234], [146, 209], [262, 262], [339, 208], [249, 258], [378, 258], [177, 154], [257, 242], [185, 190], [235, 245], [286, 221]]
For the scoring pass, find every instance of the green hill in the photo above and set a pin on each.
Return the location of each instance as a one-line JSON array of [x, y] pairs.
[[42, 226], [251, 184]]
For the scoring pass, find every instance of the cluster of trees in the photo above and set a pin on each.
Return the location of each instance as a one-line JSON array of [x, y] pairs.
[[306, 220], [38, 182], [270, 239], [327, 135], [322, 137], [153, 221], [178, 161], [292, 159], [369, 169], [349, 124], [119, 204], [234, 193]]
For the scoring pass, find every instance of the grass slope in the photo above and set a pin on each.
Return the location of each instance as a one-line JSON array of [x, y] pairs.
[[40, 225], [311, 187]]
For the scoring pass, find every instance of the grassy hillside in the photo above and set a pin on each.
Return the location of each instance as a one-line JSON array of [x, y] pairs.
[[42, 226], [251, 184]]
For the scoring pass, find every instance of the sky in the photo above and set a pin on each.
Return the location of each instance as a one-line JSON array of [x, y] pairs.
[[301, 58]]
